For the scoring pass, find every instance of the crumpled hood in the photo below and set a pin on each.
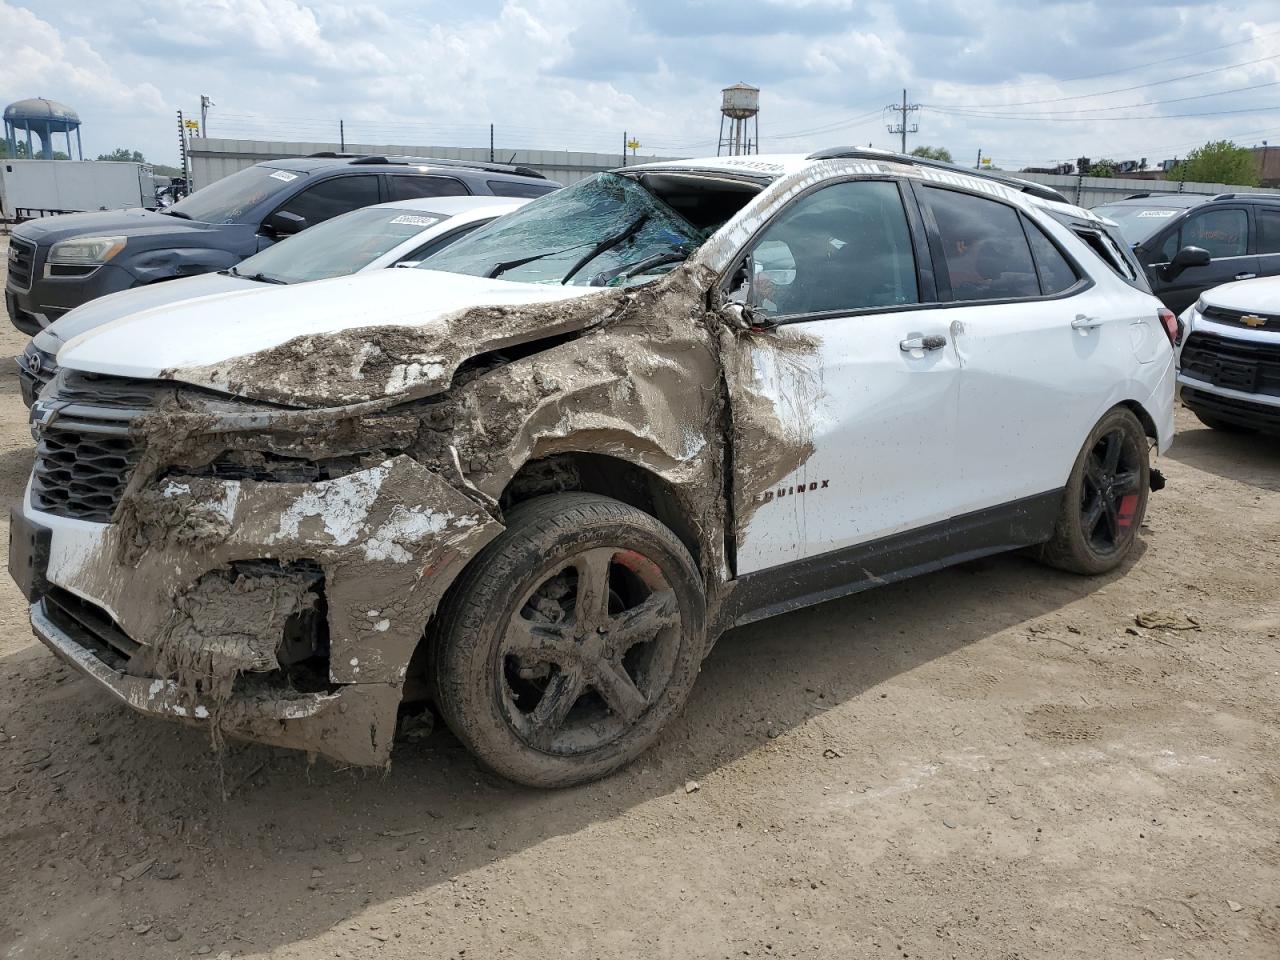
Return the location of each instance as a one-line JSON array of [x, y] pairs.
[[1261, 295], [124, 303], [333, 342]]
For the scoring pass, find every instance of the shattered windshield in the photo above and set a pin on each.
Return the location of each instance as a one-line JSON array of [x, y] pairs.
[[604, 231]]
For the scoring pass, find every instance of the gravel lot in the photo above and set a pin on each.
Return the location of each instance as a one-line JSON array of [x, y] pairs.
[[989, 762]]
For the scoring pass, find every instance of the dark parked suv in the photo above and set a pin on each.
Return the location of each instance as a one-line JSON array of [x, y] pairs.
[[1188, 244], [57, 263]]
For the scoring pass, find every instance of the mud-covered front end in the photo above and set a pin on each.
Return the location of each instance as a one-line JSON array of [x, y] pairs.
[[264, 571]]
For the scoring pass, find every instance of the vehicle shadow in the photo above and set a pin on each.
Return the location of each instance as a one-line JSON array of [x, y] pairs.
[[86, 782], [1249, 458]]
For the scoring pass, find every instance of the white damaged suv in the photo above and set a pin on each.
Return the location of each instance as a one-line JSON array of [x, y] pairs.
[[533, 484]]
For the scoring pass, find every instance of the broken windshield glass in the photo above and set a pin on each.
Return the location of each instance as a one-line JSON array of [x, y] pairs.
[[594, 233]]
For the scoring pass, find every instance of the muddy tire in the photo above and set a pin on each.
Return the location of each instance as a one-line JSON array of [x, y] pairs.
[[1105, 498], [571, 640]]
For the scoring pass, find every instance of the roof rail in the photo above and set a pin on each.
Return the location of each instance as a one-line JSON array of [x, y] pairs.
[[1029, 187], [519, 171], [1234, 196], [365, 158]]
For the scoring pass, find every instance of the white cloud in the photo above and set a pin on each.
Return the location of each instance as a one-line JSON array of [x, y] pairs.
[[564, 74]]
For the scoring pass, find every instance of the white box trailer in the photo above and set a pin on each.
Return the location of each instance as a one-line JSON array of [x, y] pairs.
[[42, 188]]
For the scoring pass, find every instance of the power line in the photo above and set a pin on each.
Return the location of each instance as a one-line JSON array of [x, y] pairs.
[[1153, 63], [1130, 106], [1043, 119], [1138, 86]]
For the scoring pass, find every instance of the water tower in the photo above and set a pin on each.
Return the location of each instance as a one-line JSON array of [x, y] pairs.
[[739, 105], [43, 118]]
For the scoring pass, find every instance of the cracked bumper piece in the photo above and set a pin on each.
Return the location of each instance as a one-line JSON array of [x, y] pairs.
[[345, 724], [187, 606]]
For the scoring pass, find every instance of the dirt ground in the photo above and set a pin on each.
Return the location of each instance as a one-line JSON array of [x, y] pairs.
[[989, 762]]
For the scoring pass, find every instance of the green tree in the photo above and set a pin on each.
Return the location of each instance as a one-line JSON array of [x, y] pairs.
[[1102, 168], [1219, 161], [22, 152], [933, 153], [123, 154]]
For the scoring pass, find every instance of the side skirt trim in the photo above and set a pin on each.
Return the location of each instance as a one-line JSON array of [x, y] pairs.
[[838, 573]]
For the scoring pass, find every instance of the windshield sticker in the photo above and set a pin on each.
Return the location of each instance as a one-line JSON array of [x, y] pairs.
[[284, 175], [1159, 214], [415, 221]]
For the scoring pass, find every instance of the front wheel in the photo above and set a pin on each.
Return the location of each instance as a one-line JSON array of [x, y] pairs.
[[571, 641], [1105, 498]]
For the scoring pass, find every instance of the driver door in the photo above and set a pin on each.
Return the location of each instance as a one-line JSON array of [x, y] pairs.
[[845, 411], [1223, 230]]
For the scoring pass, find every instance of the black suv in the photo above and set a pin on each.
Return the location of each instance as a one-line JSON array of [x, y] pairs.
[[56, 263], [1188, 244]]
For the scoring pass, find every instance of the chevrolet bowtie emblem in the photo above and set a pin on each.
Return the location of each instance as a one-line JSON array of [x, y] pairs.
[[1253, 320]]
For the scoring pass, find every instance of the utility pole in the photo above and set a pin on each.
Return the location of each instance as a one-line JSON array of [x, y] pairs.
[[182, 150], [342, 136], [491, 143], [977, 164], [205, 104], [625, 138], [902, 127]]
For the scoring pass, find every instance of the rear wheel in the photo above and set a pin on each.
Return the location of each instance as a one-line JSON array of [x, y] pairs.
[[1105, 498], [571, 640]]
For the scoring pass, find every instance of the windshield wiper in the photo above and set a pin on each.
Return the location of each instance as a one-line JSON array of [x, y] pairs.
[[629, 270], [177, 213], [607, 243], [259, 276], [500, 268]]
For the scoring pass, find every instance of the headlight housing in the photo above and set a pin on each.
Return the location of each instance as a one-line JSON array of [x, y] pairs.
[[86, 251]]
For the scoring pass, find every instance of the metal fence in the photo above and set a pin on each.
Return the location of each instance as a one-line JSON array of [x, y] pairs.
[[212, 158], [1092, 191]]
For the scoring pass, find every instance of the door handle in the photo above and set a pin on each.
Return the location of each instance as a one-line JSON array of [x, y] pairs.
[[922, 343], [1245, 276], [1081, 322]]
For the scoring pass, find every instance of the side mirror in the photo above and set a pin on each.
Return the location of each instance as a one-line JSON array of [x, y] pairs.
[[285, 224], [1184, 258]]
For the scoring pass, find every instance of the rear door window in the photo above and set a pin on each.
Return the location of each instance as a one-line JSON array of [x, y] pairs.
[[518, 188], [334, 196], [414, 188], [1268, 222], [1056, 272], [986, 253]]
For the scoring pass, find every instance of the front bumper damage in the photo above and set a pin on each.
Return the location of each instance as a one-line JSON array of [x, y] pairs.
[[186, 605]]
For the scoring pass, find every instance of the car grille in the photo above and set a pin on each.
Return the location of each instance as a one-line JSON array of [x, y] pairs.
[[1245, 365], [90, 625], [37, 365], [85, 453], [22, 262], [1235, 318]]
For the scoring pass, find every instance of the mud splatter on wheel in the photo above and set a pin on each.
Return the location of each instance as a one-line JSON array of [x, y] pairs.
[[570, 641], [1105, 498]]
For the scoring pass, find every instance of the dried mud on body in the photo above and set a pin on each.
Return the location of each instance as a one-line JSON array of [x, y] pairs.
[[982, 763]]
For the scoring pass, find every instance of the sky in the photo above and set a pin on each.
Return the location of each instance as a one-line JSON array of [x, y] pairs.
[[1025, 82]]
